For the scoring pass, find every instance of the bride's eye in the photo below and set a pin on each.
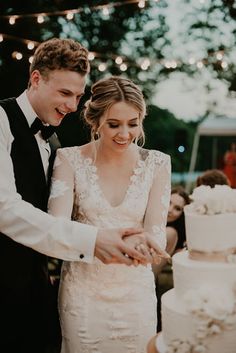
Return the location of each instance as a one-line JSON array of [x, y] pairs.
[[112, 125]]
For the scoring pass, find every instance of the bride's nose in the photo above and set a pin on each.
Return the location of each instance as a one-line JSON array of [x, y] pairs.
[[124, 131]]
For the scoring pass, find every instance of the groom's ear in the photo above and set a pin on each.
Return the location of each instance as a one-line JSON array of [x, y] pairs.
[[35, 78]]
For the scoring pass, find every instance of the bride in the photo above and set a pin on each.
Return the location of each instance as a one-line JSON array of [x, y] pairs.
[[111, 182]]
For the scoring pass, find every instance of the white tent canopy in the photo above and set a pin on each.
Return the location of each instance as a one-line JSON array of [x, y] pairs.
[[212, 126], [217, 126]]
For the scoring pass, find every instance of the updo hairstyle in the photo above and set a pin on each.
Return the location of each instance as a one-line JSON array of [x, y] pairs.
[[107, 92]]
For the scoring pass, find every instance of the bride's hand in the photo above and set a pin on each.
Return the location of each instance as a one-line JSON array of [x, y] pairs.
[[138, 242], [146, 244], [155, 250]]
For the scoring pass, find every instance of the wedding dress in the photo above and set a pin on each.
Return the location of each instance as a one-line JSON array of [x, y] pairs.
[[109, 308]]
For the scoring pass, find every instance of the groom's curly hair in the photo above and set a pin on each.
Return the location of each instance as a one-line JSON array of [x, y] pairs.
[[60, 54]]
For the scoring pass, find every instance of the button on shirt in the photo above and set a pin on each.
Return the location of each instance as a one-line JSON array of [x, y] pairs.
[[27, 225]]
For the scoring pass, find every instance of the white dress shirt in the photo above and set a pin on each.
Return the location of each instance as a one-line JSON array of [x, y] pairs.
[[25, 224], [30, 115]]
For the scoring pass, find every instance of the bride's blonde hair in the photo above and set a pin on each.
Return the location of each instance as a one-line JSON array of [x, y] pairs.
[[107, 92]]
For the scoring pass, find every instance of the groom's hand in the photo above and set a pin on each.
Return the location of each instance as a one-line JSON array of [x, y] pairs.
[[111, 246]]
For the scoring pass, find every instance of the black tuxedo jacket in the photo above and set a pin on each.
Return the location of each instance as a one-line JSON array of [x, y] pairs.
[[27, 308]]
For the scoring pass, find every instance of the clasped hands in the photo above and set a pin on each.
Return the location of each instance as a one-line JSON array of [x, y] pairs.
[[147, 246], [130, 246]]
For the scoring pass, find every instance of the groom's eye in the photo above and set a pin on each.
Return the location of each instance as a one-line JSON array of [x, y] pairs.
[[64, 93]]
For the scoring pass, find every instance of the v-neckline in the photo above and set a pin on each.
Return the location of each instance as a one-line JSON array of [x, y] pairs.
[[93, 170]]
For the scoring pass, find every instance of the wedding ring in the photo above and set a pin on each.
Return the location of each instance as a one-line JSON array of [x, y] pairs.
[[138, 245]]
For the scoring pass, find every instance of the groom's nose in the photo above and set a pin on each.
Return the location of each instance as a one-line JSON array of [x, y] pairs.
[[72, 104]]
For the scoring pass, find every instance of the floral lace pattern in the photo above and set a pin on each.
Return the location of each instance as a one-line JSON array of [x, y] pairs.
[[58, 188], [111, 308]]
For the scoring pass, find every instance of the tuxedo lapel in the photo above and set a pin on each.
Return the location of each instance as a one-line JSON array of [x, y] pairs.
[[28, 166]]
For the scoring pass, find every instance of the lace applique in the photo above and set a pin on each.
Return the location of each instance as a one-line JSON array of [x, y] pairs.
[[160, 234], [57, 163], [58, 188]]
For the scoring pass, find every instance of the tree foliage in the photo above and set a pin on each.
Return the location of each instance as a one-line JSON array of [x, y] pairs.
[[135, 35]]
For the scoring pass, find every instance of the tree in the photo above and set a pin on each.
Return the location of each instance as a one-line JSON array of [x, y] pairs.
[[108, 36], [161, 130], [147, 37]]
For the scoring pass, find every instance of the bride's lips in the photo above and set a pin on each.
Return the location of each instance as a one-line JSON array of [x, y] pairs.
[[121, 143]]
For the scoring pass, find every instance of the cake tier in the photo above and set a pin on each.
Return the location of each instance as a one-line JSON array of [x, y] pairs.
[[210, 233], [191, 274], [181, 329]]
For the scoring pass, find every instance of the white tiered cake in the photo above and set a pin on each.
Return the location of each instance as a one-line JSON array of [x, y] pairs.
[[199, 314]]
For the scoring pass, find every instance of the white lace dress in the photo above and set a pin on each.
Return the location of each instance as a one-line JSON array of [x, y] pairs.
[[109, 308]]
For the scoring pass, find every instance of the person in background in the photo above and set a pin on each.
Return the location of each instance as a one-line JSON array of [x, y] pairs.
[[108, 182], [28, 319], [175, 227], [175, 235], [212, 177], [230, 164]]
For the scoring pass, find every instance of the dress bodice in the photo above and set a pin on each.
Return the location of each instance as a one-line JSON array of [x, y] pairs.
[[89, 202]]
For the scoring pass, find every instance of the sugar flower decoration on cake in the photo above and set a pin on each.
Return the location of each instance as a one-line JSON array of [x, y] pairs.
[[210, 201], [213, 311], [209, 303]]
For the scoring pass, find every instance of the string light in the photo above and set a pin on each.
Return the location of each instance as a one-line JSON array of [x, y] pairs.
[[91, 56], [69, 16], [17, 55], [145, 64], [105, 11], [12, 20], [40, 19], [102, 67], [141, 4], [30, 45], [31, 59], [191, 61], [123, 67], [224, 65], [219, 56], [119, 60], [170, 64], [199, 64]]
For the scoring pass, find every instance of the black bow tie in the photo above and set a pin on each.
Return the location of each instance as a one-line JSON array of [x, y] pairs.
[[46, 131]]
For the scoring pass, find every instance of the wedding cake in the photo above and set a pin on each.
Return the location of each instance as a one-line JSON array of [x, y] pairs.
[[199, 314]]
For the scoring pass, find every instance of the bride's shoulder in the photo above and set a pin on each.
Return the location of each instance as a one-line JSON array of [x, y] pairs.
[[83, 150], [74, 154], [87, 150], [155, 156]]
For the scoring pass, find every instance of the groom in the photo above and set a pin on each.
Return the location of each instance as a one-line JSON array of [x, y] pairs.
[[28, 235]]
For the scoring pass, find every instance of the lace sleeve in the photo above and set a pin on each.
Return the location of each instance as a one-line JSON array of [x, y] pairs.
[[159, 198], [61, 197]]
